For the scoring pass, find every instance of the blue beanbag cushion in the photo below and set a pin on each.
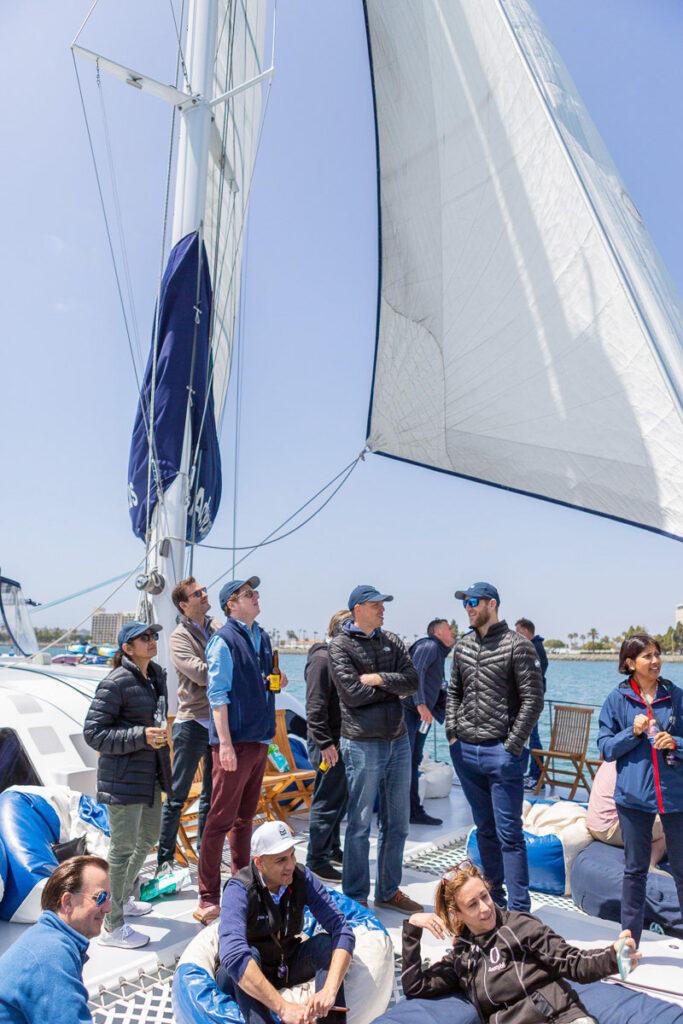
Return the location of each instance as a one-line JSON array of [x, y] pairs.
[[596, 879], [546, 861], [28, 824], [609, 1004], [3, 869], [299, 752]]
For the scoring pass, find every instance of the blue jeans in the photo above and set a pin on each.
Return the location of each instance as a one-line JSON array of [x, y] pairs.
[[190, 745], [530, 763], [492, 780], [372, 766], [417, 741], [328, 808], [636, 829], [310, 960]]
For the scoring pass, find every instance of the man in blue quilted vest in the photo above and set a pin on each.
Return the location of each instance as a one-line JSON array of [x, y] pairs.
[[239, 660]]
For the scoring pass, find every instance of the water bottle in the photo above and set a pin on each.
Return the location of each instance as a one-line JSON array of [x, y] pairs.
[[165, 885], [424, 727], [160, 714], [277, 758], [652, 730]]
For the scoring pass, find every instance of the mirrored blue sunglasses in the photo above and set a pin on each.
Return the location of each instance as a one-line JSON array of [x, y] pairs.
[[99, 899], [471, 602]]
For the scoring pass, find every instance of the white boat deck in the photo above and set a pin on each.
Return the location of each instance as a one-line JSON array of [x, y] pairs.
[[46, 704], [171, 926]]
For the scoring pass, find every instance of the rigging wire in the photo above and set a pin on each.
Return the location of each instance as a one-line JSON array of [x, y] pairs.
[[79, 593], [143, 405], [270, 538], [67, 632], [119, 217]]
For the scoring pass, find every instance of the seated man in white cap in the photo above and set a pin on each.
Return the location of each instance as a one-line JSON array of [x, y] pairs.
[[261, 951]]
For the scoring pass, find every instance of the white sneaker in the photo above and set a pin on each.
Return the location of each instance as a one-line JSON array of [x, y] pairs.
[[125, 937], [136, 908]]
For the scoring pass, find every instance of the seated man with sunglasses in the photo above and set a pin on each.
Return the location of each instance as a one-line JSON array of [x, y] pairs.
[[41, 974], [494, 700], [190, 734], [260, 946]]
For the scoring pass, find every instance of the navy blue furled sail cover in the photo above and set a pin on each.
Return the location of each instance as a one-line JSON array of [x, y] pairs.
[[179, 368]]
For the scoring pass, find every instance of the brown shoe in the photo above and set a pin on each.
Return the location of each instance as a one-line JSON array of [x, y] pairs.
[[205, 915], [401, 903]]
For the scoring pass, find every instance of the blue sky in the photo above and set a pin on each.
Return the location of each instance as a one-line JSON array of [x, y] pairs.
[[69, 393]]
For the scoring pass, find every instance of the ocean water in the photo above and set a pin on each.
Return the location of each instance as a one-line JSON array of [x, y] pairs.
[[576, 682]]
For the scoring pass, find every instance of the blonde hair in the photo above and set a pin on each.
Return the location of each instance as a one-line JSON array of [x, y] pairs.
[[445, 898], [337, 619]]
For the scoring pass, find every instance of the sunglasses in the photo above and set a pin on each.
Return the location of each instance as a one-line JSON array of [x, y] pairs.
[[471, 602], [99, 899], [451, 873], [147, 637], [247, 593], [196, 593]]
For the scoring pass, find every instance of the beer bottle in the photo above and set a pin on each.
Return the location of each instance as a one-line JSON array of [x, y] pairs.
[[274, 677]]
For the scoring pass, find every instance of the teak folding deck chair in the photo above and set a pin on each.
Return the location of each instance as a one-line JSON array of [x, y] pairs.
[[568, 745], [286, 792]]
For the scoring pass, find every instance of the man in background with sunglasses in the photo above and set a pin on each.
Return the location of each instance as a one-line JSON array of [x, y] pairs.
[[41, 974], [190, 735], [494, 700]]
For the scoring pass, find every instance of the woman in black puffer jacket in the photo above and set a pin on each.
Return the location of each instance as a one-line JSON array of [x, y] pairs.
[[133, 768], [511, 966]]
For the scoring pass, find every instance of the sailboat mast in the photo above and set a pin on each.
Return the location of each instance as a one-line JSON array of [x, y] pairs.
[[170, 516]]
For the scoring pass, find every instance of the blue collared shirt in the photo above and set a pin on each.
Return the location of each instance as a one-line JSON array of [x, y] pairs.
[[220, 664]]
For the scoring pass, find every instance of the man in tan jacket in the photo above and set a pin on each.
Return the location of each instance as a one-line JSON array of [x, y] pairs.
[[190, 734]]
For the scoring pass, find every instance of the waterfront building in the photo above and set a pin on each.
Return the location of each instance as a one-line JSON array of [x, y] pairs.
[[106, 625]]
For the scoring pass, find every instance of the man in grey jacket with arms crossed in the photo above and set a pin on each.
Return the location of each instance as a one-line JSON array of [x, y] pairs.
[[494, 700]]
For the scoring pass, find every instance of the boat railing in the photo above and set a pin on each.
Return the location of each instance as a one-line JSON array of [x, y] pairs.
[[545, 724]]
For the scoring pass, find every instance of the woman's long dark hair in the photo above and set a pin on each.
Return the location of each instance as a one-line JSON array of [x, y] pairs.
[[632, 647]]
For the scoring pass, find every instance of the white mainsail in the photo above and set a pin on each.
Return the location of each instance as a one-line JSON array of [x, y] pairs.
[[529, 336]]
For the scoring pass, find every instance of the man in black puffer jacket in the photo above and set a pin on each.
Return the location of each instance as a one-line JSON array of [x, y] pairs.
[[372, 671], [494, 700]]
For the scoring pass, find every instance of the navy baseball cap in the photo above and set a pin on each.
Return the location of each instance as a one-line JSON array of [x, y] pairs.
[[485, 590], [228, 589], [133, 629], [363, 593]]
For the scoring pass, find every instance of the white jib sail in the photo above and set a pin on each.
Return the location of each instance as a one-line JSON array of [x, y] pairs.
[[529, 335]]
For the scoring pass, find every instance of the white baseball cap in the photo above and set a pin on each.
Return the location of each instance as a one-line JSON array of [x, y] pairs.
[[273, 837]]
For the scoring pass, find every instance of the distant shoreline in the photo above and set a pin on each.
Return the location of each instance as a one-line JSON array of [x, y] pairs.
[[552, 655], [598, 656]]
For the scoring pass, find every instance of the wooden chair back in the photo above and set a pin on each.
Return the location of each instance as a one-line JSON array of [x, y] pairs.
[[563, 763], [571, 729]]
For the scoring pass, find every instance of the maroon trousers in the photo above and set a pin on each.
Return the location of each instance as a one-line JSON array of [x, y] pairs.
[[234, 799]]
